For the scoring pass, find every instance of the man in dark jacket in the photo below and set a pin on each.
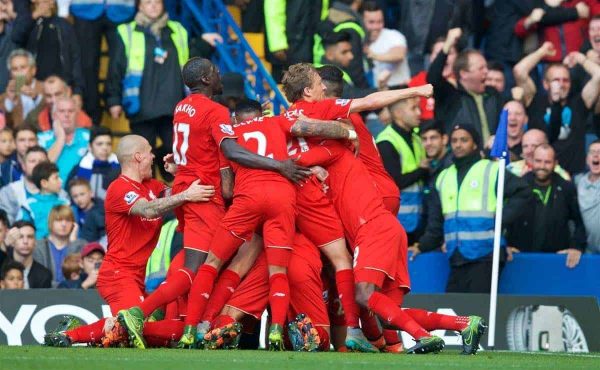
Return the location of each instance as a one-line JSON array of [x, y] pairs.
[[545, 224], [470, 102], [53, 42], [461, 212], [23, 246]]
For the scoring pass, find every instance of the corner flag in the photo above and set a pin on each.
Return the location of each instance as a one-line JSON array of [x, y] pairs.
[[500, 146]]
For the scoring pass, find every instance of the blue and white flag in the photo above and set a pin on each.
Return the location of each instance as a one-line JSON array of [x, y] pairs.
[[500, 146]]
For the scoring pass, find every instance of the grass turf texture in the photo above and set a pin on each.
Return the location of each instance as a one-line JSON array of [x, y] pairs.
[[37, 357]]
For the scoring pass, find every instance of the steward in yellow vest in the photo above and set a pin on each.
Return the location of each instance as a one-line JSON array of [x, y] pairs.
[[405, 160], [462, 212]]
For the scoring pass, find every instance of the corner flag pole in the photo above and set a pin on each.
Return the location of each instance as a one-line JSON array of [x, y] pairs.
[[499, 150], [496, 259]]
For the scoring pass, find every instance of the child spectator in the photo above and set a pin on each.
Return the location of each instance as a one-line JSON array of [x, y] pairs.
[[100, 165], [25, 137], [45, 177], [12, 276], [7, 144], [89, 211], [81, 272], [61, 241]]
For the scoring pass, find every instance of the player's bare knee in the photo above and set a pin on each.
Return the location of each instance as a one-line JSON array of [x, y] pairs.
[[194, 258], [363, 292], [273, 269]]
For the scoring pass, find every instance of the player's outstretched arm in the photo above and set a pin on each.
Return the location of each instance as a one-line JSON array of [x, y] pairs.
[[382, 99], [310, 127], [158, 207], [289, 169]]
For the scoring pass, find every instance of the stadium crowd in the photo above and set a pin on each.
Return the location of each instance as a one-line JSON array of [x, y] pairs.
[[536, 60]]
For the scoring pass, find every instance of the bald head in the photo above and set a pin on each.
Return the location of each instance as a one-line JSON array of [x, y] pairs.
[[531, 140], [128, 146]]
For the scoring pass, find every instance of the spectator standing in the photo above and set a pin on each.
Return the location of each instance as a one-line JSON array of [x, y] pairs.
[[22, 247], [93, 19], [470, 101], [424, 21], [65, 143], [53, 42], [289, 29], [62, 240], [435, 143], [517, 121], [23, 92], [25, 137], [39, 205], [144, 77], [54, 88], [99, 166], [343, 16], [495, 77], [7, 15], [588, 195], [554, 109], [12, 276], [544, 224], [385, 47], [405, 160], [462, 210]]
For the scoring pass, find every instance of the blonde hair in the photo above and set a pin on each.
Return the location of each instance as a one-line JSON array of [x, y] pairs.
[[58, 213]]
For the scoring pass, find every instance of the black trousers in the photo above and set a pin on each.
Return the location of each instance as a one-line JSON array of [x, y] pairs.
[[151, 129], [473, 277], [89, 34]]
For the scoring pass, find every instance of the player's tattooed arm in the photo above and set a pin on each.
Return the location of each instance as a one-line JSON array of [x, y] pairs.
[[227, 180], [158, 207], [289, 169], [309, 127]]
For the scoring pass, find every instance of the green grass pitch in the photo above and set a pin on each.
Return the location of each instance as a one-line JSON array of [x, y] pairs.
[[81, 358]]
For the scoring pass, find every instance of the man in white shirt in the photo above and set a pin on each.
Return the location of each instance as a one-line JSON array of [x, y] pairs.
[[386, 48]]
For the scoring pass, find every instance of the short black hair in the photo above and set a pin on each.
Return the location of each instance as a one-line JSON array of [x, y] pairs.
[[333, 38], [11, 265], [245, 106], [100, 131], [429, 125], [36, 149], [370, 6], [333, 78], [193, 71], [4, 218], [493, 65], [42, 171], [21, 223]]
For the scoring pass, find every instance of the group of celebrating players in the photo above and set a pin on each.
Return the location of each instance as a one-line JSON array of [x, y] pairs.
[[270, 208]]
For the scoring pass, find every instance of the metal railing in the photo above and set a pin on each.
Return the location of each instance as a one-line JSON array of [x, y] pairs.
[[232, 55]]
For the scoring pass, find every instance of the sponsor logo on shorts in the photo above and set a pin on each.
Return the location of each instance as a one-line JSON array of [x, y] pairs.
[[205, 295], [131, 197], [226, 129], [279, 295]]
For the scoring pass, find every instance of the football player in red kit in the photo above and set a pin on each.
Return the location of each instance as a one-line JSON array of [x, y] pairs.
[[261, 198], [134, 205]]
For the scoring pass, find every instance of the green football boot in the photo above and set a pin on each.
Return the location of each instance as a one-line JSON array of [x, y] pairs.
[[57, 337], [133, 321], [472, 334], [276, 338], [188, 339], [424, 345]]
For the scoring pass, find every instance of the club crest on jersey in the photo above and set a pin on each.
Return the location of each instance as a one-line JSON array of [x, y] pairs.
[[226, 129], [131, 197], [342, 102]]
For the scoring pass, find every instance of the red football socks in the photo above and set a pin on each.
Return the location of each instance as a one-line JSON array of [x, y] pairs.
[[91, 333], [344, 280], [162, 333], [279, 297], [435, 321], [226, 285], [391, 337], [325, 343], [200, 293], [393, 315], [179, 283], [368, 324]]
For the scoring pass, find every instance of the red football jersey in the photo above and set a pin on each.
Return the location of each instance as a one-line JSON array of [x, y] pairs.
[[327, 109], [131, 239], [265, 136], [369, 155], [196, 139]]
